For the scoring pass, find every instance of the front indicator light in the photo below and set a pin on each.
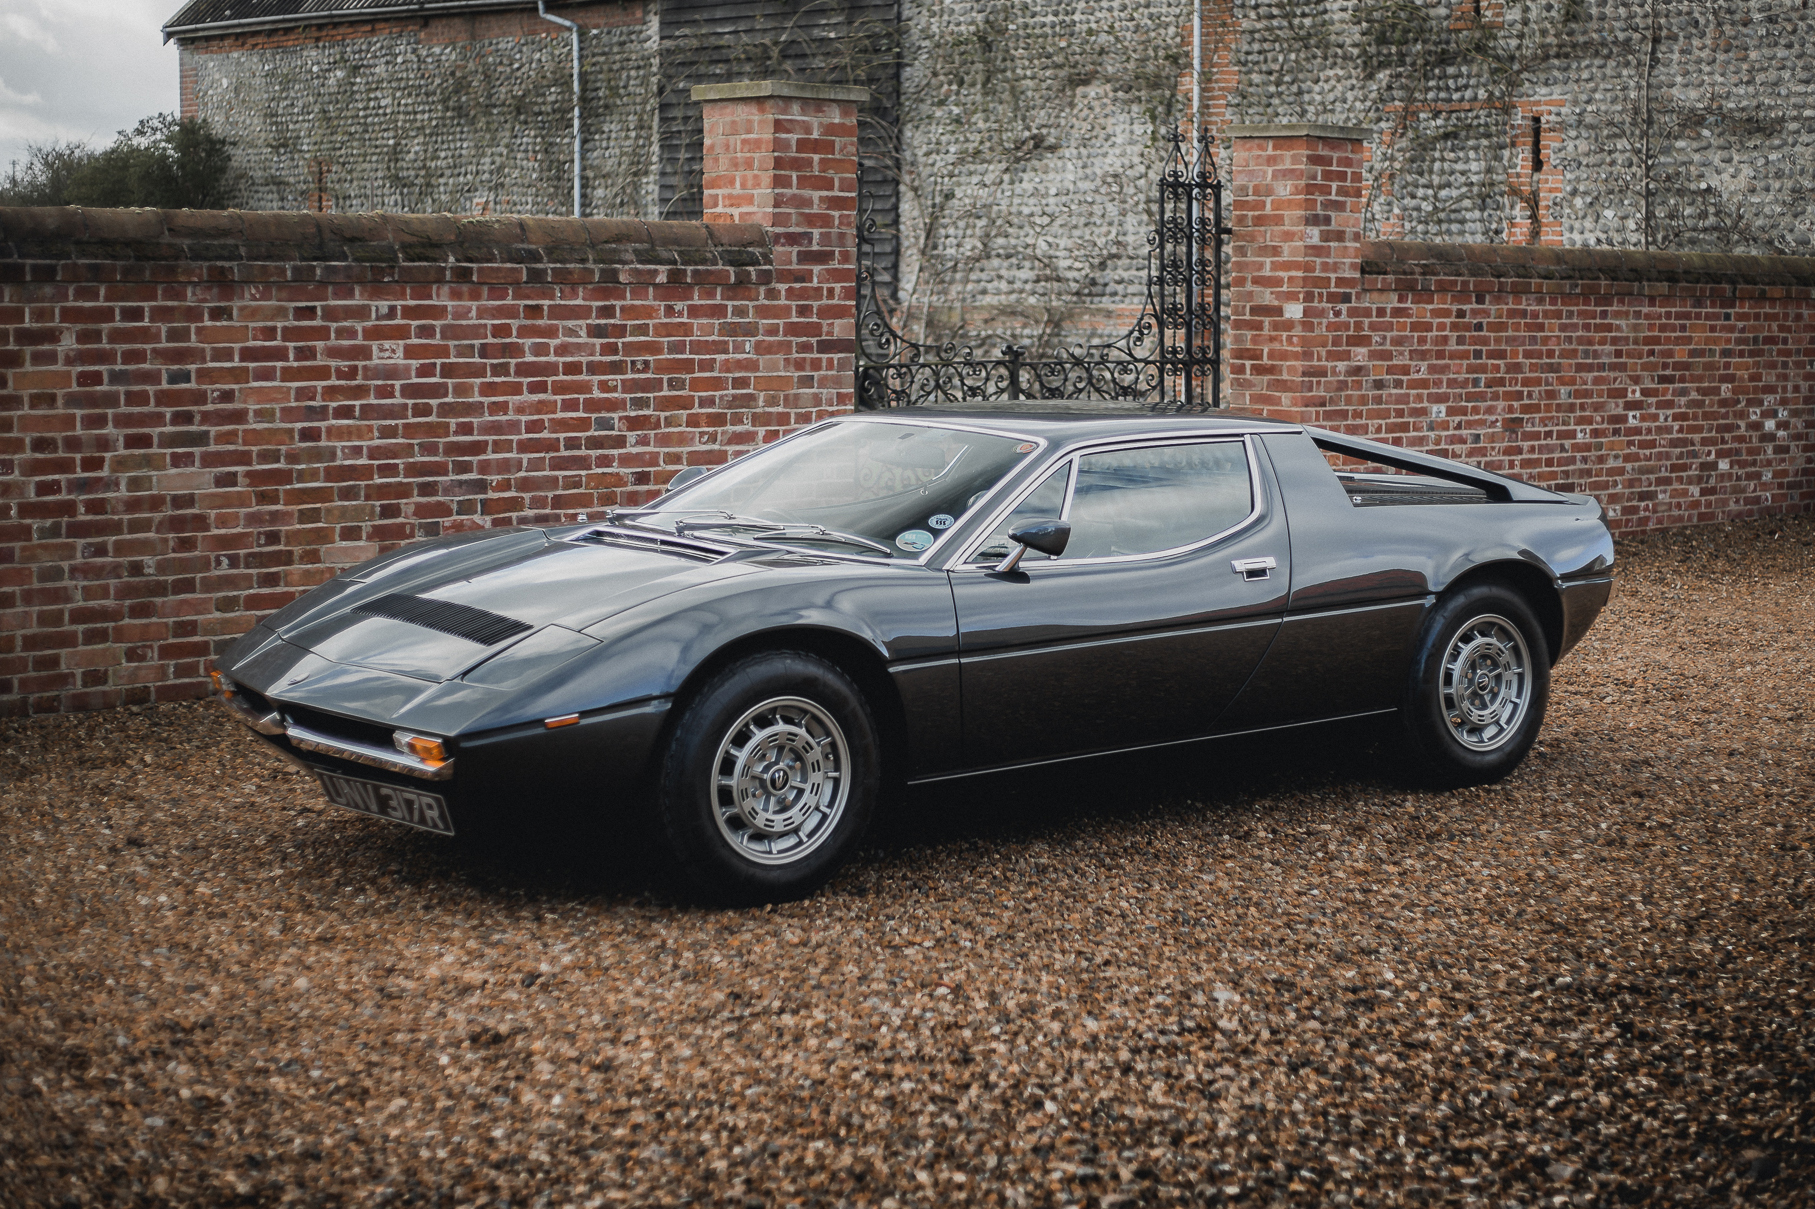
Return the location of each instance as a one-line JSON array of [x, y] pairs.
[[429, 751], [563, 720], [222, 685]]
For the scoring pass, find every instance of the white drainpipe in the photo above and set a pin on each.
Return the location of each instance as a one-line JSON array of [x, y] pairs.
[[573, 29]]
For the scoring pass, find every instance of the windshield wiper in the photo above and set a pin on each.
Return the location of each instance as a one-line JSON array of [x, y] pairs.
[[823, 533], [617, 515], [781, 531], [727, 520], [617, 518], [645, 518]]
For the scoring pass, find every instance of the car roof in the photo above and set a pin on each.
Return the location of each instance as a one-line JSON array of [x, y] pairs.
[[1069, 427]]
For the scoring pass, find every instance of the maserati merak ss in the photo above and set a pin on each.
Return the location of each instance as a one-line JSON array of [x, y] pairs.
[[738, 669]]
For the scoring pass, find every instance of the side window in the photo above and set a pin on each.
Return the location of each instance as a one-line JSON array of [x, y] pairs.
[[1138, 501], [1046, 503]]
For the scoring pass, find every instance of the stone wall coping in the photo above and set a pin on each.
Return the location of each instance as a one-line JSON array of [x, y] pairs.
[[1411, 258], [1297, 130], [780, 88], [77, 233]]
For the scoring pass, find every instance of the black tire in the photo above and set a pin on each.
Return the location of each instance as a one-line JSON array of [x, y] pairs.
[[1481, 732], [785, 715]]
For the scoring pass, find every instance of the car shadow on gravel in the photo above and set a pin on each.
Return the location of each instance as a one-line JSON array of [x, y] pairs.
[[1231, 778], [564, 864]]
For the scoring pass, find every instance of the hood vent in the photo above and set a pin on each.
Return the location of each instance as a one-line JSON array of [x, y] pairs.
[[462, 621], [698, 551]]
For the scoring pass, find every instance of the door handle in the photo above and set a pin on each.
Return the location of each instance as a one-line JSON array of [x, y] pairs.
[[1254, 568]]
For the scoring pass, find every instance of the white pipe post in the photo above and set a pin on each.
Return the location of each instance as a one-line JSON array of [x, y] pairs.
[[573, 29]]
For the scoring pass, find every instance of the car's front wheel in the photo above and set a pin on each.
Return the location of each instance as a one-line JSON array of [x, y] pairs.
[[769, 780], [1479, 684]]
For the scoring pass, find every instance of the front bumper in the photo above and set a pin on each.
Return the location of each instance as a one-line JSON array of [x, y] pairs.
[[601, 763], [273, 724]]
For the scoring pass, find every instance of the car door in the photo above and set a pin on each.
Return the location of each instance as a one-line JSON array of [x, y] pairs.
[[1147, 625]]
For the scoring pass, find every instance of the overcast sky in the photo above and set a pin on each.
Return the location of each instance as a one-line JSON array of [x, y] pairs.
[[81, 70]]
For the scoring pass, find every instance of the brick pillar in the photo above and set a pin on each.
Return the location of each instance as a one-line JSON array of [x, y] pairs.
[[1294, 268], [187, 104], [784, 154]]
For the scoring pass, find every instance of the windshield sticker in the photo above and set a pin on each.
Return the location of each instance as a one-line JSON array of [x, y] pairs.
[[914, 540], [941, 521], [1025, 447]]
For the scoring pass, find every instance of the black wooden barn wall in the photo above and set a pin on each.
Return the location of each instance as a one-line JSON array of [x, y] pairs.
[[824, 41]]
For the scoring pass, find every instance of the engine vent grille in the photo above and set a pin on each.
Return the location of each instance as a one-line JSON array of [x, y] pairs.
[[697, 551], [462, 621]]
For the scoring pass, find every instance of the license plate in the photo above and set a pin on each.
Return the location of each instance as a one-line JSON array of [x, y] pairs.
[[412, 806]]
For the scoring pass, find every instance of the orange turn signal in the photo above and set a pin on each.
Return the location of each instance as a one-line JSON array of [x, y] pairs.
[[563, 720], [429, 751], [222, 685]]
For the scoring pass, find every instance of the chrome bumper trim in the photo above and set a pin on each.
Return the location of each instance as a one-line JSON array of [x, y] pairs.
[[265, 724], [362, 753], [304, 739]]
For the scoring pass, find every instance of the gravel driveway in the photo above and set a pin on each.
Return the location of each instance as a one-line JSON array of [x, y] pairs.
[[1277, 975]]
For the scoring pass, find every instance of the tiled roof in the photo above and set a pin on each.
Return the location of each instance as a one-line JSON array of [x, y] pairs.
[[218, 16]]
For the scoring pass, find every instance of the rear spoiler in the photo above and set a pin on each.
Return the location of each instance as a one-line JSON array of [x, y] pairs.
[[1499, 488]]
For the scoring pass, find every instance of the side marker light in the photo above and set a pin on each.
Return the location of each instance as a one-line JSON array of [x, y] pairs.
[[563, 720], [222, 685]]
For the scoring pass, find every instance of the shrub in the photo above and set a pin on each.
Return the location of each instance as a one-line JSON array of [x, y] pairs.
[[164, 161], [44, 181]]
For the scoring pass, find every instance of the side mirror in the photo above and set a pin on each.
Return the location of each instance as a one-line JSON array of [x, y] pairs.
[[1048, 537], [684, 477]]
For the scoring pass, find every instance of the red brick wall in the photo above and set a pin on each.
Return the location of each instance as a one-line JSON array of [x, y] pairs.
[[203, 414], [187, 105], [784, 156], [1677, 388]]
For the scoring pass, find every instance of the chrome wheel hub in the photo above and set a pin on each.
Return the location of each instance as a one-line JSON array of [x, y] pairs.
[[1486, 683], [781, 780]]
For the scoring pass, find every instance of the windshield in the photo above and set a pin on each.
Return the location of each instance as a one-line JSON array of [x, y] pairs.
[[895, 486]]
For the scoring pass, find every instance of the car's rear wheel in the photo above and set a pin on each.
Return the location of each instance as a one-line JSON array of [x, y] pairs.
[[1479, 684], [768, 782]]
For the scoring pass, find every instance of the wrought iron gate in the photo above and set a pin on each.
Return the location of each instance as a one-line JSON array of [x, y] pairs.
[[1170, 359]]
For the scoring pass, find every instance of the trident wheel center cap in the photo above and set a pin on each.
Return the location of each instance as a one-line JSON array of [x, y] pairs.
[[1485, 683], [781, 780], [1482, 693]]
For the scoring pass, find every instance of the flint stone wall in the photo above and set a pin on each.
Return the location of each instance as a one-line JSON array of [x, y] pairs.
[[446, 114], [1029, 134], [1031, 142], [1731, 117], [1029, 147]]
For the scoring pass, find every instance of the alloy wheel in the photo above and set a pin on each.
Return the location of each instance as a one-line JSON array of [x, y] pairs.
[[781, 780], [1486, 682]]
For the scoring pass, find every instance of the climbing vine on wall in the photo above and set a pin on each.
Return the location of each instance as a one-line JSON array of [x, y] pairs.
[[1703, 165], [1031, 141], [1662, 123], [392, 122]]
